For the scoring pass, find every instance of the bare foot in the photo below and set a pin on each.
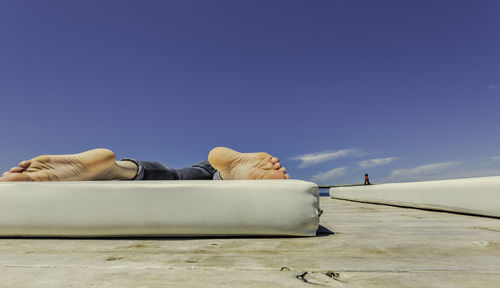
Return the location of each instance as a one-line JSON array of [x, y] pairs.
[[234, 165], [96, 164]]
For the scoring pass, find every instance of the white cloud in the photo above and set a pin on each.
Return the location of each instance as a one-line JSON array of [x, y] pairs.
[[422, 172], [494, 89], [376, 162], [315, 158], [496, 158], [328, 175]]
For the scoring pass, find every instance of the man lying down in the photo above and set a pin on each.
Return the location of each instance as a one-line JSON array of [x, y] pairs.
[[100, 164]]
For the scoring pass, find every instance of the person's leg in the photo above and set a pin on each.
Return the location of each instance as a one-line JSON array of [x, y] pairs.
[[100, 164], [200, 171], [148, 170]]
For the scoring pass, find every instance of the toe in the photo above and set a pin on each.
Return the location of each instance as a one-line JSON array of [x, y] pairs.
[[287, 176], [283, 169], [16, 170], [268, 166], [15, 177], [274, 174], [274, 160], [25, 164], [277, 165]]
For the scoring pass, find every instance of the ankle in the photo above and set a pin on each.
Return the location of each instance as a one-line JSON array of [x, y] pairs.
[[125, 170]]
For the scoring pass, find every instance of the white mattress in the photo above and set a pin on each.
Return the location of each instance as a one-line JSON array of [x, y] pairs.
[[479, 196], [159, 208]]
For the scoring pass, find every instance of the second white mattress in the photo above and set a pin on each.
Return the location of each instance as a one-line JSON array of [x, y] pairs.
[[479, 196]]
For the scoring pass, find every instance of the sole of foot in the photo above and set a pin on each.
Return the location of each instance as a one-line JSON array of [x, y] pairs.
[[234, 165], [94, 164]]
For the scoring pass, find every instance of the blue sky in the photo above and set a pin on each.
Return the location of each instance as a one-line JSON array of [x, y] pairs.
[[402, 90]]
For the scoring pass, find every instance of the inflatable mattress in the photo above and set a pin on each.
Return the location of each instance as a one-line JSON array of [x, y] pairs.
[[480, 196], [159, 208]]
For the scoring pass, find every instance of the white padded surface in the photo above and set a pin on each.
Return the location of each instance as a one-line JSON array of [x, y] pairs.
[[159, 208], [479, 196]]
